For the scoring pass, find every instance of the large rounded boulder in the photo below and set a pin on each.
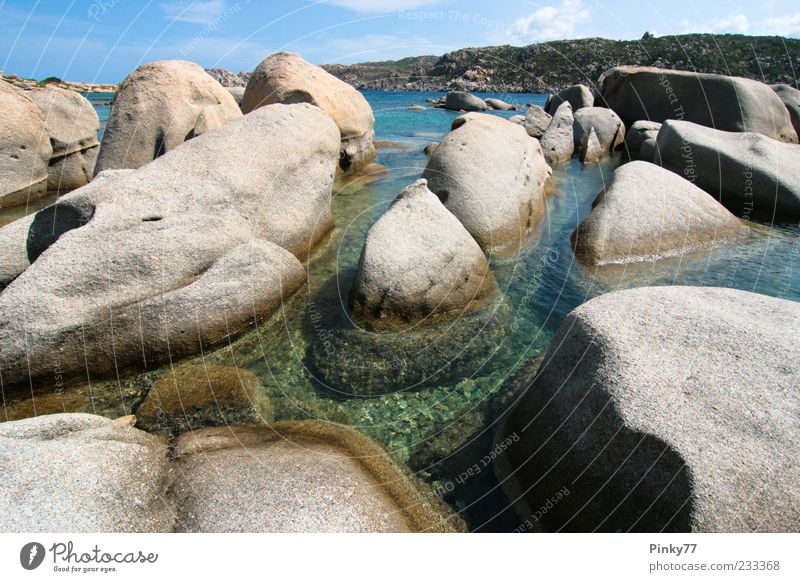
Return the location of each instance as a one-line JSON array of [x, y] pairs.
[[536, 121], [72, 124], [607, 126], [791, 98], [493, 177], [558, 141], [419, 264], [640, 133], [461, 101], [647, 212], [662, 409], [24, 148], [725, 103], [752, 175], [159, 106], [578, 96], [286, 77], [124, 273]]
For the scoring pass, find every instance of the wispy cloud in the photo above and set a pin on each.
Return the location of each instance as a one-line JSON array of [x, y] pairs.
[[204, 12], [371, 6], [550, 22], [788, 25]]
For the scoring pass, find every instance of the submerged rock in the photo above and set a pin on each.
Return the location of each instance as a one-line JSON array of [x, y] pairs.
[[72, 124], [608, 128], [286, 77], [418, 265], [158, 107], [124, 274], [492, 176], [82, 473], [558, 141], [24, 148], [748, 173], [299, 477], [537, 121], [647, 212], [578, 96], [640, 133], [663, 409], [460, 101], [725, 103], [193, 396]]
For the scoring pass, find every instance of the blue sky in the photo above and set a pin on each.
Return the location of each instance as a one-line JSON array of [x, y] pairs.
[[103, 40]]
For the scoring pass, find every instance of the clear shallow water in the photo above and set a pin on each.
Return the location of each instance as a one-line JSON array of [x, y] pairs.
[[433, 396]]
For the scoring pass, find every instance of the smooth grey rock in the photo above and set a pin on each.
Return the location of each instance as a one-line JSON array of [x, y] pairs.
[[608, 127], [77, 473], [493, 177], [640, 132], [537, 121], [590, 150], [25, 149], [725, 103], [419, 265], [518, 119], [237, 93], [174, 257], [558, 142], [578, 96], [298, 477], [460, 101], [647, 212], [72, 124], [663, 409], [286, 77], [499, 104], [749, 173], [791, 98], [157, 108]]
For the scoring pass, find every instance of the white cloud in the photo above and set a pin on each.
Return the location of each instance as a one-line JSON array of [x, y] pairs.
[[204, 12], [733, 23], [381, 5], [788, 25], [550, 22]]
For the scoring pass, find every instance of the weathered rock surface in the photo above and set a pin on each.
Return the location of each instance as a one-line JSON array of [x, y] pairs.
[[124, 273], [640, 132], [72, 124], [493, 177], [537, 121], [237, 93], [578, 96], [287, 78], [460, 101], [607, 125], [590, 150], [663, 408], [158, 107], [82, 473], [419, 265], [24, 148], [749, 173], [647, 212], [499, 104], [725, 103], [558, 141], [298, 477], [192, 396], [791, 98]]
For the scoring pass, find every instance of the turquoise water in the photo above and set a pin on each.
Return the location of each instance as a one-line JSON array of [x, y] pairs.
[[432, 396]]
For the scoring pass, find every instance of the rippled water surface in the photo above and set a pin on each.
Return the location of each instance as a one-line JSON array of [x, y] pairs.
[[432, 396]]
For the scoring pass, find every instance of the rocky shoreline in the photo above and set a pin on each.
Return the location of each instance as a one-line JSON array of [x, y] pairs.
[[197, 220]]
